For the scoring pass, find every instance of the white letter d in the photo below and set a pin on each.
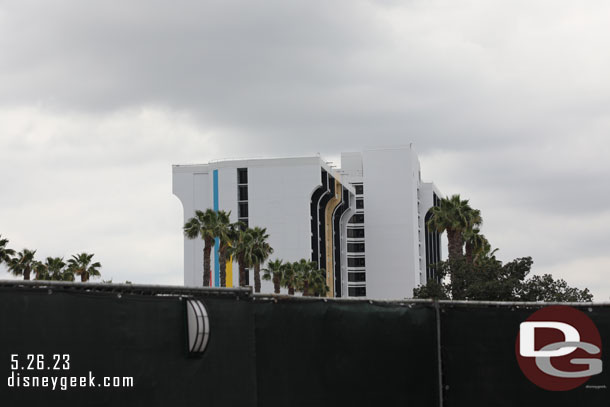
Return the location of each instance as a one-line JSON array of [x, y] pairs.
[[527, 343]]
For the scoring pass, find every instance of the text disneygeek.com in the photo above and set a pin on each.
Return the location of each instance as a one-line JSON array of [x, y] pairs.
[[24, 369]]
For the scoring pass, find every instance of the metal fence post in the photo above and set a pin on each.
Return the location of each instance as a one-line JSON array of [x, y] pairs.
[[438, 353]]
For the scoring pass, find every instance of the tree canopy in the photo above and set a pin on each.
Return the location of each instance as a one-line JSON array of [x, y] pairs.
[[494, 281], [24, 263], [479, 275]]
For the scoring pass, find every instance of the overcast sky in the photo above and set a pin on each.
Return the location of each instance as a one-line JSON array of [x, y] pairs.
[[507, 102]]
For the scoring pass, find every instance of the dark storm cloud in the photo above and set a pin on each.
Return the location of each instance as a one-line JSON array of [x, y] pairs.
[[183, 52], [311, 69]]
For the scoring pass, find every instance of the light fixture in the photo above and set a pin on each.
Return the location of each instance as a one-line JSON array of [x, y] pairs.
[[198, 326]]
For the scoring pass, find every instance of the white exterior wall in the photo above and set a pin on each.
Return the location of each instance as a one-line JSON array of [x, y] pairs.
[[192, 184], [351, 165], [279, 195], [391, 178]]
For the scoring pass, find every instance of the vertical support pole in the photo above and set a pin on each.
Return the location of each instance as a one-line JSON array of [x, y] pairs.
[[216, 282], [438, 352]]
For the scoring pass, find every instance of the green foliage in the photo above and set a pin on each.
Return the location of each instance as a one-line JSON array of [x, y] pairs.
[[299, 276], [201, 225], [455, 216], [273, 272], [476, 244], [434, 288], [289, 277], [479, 275], [6, 254], [240, 245], [204, 225], [493, 281], [82, 265], [249, 247], [310, 280], [54, 268], [23, 263], [225, 231], [545, 288], [261, 250], [317, 283]]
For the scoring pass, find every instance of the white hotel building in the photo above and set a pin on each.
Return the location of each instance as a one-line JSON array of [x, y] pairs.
[[363, 223]]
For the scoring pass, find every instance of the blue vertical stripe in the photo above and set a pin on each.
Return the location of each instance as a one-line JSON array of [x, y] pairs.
[[217, 240]]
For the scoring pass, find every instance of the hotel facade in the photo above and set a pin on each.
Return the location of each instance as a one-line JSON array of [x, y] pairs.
[[364, 223]]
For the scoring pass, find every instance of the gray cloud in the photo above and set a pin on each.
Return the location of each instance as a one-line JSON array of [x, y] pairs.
[[507, 102]]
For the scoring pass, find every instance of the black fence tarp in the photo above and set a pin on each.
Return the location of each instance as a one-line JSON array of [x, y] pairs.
[[134, 335], [272, 351], [480, 366], [345, 354]]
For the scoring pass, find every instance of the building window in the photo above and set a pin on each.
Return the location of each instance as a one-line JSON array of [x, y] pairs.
[[356, 277], [242, 194], [359, 189], [355, 262], [356, 291], [242, 204], [242, 197], [243, 209], [433, 245], [359, 203], [355, 233], [242, 175], [357, 218], [355, 247]]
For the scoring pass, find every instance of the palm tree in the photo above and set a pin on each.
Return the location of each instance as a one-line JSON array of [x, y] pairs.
[[274, 272], [52, 269], [242, 249], [455, 216], [80, 264], [317, 283], [66, 275], [5, 253], [310, 280], [306, 272], [475, 244], [261, 250], [40, 270], [23, 263], [289, 277], [487, 255], [204, 225], [225, 231], [301, 271], [56, 269]]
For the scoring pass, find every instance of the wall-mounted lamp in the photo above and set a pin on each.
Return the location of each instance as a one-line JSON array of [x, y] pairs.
[[198, 326]]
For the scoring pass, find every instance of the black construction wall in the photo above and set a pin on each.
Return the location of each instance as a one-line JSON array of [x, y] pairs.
[[276, 352], [480, 366], [139, 336], [260, 353], [345, 354]]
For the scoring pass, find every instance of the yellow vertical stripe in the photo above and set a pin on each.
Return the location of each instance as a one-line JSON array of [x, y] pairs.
[[330, 207], [229, 270]]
